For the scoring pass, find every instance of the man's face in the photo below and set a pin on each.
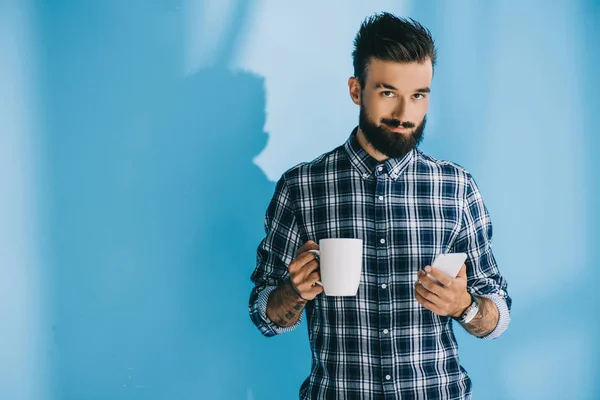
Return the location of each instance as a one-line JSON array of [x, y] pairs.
[[393, 105]]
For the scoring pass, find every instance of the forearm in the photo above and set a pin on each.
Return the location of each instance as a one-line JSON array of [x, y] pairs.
[[486, 319], [285, 305]]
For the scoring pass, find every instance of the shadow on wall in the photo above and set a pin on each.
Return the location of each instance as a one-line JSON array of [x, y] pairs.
[[154, 209]]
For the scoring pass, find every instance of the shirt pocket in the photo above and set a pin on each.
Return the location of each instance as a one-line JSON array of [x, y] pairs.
[[433, 229]]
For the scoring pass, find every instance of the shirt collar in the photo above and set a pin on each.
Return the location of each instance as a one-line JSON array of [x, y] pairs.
[[367, 165]]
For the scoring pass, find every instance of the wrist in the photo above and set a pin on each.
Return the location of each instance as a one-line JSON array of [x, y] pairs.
[[465, 303], [294, 290]]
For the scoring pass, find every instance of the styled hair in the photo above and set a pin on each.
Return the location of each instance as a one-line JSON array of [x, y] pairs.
[[389, 38]]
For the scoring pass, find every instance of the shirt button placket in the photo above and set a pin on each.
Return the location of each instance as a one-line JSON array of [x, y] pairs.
[[383, 274]]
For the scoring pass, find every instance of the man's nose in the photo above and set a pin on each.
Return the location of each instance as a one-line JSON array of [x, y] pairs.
[[400, 110]]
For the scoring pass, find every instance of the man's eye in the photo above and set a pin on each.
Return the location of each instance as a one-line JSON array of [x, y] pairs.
[[387, 93], [419, 96]]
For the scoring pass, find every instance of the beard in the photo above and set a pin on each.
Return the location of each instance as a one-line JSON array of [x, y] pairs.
[[390, 143]]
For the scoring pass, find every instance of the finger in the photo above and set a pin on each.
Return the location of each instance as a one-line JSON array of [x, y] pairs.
[[310, 286], [426, 294], [439, 275], [300, 275], [310, 245], [309, 255], [301, 261], [313, 277], [430, 284], [426, 303], [309, 267], [315, 290]]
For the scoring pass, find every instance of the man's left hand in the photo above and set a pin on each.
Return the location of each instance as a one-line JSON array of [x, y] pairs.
[[447, 298]]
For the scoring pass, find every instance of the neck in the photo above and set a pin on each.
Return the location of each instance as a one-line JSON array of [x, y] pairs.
[[364, 143]]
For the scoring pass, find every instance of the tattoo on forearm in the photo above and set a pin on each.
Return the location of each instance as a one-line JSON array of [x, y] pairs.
[[283, 307], [486, 319]]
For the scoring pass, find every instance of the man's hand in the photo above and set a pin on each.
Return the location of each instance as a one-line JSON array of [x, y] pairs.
[[286, 303], [447, 298], [304, 272]]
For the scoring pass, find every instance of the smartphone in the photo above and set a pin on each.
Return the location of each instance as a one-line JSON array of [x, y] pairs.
[[449, 263]]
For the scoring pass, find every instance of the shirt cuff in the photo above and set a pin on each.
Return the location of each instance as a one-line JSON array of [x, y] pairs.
[[503, 316], [263, 299]]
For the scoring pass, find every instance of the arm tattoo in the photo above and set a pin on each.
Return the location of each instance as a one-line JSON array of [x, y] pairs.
[[285, 306], [486, 319]]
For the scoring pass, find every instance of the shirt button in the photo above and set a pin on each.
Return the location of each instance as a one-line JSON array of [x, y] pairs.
[[385, 331], [380, 197], [383, 286], [387, 377], [382, 241], [380, 169]]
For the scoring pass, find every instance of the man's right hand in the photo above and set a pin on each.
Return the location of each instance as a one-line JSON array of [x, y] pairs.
[[304, 271], [286, 303]]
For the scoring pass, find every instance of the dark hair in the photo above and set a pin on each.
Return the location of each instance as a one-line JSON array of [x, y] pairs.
[[389, 38]]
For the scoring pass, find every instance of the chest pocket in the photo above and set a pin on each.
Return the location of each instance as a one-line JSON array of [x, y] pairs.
[[426, 228]]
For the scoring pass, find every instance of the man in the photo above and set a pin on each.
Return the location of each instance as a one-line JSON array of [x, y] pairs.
[[394, 340]]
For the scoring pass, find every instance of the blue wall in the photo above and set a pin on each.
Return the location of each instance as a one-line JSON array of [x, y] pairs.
[[140, 142]]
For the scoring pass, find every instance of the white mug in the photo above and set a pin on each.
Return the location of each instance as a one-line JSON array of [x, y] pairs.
[[341, 265]]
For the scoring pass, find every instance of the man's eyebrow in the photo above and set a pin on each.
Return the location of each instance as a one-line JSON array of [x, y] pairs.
[[384, 85]]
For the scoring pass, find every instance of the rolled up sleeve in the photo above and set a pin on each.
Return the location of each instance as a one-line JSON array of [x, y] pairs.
[[475, 239], [275, 252]]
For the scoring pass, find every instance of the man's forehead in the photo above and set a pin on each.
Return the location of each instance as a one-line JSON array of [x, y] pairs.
[[403, 76]]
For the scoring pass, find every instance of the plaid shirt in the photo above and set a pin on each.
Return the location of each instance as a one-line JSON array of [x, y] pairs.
[[381, 344]]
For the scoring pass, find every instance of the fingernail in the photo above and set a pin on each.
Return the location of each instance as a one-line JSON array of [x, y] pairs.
[[428, 268]]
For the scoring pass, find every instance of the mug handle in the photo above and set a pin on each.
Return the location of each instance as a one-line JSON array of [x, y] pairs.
[[317, 254]]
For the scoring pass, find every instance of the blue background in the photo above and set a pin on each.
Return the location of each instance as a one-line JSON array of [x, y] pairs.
[[140, 142]]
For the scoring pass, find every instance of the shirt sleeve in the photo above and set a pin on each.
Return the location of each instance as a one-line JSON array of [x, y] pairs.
[[475, 239], [275, 252]]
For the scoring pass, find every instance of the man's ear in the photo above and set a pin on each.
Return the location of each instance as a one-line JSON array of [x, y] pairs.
[[355, 90]]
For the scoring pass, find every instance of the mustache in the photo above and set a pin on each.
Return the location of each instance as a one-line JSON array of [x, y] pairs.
[[396, 123]]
